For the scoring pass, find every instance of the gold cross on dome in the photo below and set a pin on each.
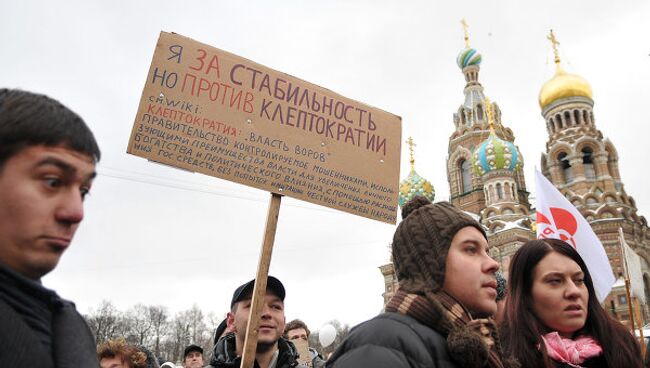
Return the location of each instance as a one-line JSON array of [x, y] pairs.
[[551, 37], [412, 158], [465, 27]]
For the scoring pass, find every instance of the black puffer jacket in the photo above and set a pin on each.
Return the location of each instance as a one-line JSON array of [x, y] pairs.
[[225, 354], [392, 340], [71, 344]]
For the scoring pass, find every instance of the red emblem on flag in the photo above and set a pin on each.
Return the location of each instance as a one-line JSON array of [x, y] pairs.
[[561, 223]]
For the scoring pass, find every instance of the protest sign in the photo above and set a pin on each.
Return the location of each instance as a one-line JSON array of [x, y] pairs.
[[206, 110]]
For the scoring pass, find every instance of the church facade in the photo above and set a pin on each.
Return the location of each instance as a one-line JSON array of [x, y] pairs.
[[485, 174]]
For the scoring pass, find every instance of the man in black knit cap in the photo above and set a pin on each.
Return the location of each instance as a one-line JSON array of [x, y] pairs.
[[447, 288], [47, 165]]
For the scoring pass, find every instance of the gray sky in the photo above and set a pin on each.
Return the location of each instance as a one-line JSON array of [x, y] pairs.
[[157, 235]]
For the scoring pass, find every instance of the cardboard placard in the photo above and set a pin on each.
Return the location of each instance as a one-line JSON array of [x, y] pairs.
[[206, 110], [302, 346]]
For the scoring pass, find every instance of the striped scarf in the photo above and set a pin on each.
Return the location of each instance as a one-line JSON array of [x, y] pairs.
[[471, 343]]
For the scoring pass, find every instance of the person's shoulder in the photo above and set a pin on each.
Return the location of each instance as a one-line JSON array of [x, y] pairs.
[[391, 339], [395, 326]]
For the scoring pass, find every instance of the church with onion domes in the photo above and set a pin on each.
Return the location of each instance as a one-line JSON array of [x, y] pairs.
[[486, 179]]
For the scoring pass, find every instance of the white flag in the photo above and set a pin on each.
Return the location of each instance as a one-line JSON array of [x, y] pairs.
[[557, 218], [632, 268]]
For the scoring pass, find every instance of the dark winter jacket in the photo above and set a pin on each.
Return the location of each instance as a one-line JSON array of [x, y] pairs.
[[39, 329], [392, 340], [225, 354], [317, 361]]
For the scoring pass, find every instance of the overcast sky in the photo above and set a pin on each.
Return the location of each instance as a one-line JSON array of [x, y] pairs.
[[157, 235]]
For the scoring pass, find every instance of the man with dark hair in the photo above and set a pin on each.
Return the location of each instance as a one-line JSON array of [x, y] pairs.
[[47, 165], [193, 356], [297, 330], [273, 351]]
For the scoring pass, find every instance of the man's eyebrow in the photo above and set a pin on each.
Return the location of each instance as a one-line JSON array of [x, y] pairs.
[[64, 166]]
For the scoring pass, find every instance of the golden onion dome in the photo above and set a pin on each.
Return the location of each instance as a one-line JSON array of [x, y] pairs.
[[563, 85]]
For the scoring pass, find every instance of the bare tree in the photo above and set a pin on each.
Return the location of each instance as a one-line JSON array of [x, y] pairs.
[[159, 318], [152, 327], [104, 322], [140, 326]]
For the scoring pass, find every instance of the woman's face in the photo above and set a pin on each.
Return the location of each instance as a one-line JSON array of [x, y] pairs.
[[559, 294]]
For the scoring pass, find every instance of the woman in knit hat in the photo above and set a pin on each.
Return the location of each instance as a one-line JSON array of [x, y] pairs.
[[553, 318], [447, 290]]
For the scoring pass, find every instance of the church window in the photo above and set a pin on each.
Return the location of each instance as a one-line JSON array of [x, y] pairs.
[[514, 193], [466, 177], [576, 115], [479, 112], [588, 163], [499, 191], [563, 160], [567, 119]]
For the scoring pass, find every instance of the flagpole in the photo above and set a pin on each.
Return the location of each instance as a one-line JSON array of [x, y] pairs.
[[621, 240]]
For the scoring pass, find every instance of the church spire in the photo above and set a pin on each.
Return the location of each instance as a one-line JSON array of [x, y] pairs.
[[411, 157], [465, 27], [554, 42]]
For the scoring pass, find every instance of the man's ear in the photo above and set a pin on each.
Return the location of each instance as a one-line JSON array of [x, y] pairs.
[[230, 322]]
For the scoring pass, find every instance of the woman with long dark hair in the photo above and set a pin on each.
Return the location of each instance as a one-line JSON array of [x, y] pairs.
[[552, 316]]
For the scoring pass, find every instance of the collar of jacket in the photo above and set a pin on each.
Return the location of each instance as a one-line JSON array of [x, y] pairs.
[[225, 353]]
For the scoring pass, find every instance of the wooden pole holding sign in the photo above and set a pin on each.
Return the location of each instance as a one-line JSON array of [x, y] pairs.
[[259, 291]]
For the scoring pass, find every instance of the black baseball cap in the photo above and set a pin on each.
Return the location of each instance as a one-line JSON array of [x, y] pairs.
[[246, 291], [191, 348]]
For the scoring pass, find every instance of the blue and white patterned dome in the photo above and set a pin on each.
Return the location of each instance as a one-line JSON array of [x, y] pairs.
[[467, 57], [495, 154]]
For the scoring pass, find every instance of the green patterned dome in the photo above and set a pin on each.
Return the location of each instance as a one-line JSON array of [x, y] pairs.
[[468, 56], [415, 185], [495, 154]]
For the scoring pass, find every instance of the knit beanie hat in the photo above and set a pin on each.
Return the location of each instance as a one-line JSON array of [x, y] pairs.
[[422, 240]]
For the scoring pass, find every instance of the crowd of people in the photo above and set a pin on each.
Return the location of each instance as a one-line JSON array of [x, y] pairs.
[[450, 310]]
